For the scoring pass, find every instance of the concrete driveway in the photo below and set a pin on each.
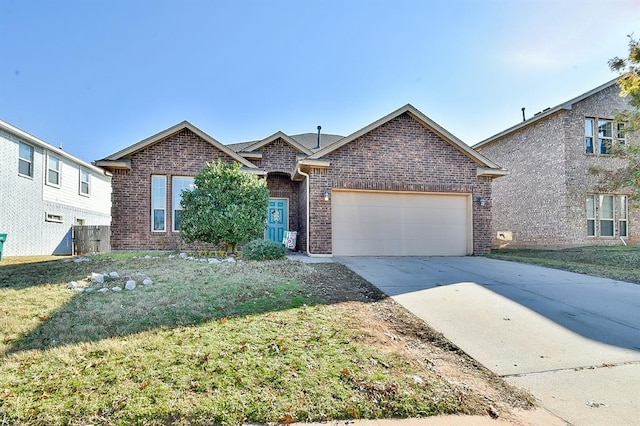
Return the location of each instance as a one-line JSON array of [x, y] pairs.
[[573, 340]]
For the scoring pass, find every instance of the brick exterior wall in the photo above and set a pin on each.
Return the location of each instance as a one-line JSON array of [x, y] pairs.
[[542, 201], [400, 155], [181, 154]]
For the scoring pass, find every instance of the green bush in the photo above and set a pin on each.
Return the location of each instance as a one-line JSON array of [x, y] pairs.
[[263, 250]]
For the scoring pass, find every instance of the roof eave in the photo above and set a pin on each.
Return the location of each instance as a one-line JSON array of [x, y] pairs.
[[124, 164], [565, 106], [172, 130], [305, 165], [34, 140], [491, 172]]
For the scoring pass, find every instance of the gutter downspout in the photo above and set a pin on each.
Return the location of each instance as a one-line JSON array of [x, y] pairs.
[[306, 176]]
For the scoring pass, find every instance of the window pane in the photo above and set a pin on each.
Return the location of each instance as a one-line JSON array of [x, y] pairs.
[[158, 220], [621, 133], [604, 146], [623, 207], [177, 219], [591, 207], [25, 159], [606, 228], [26, 152], [604, 129], [180, 184], [588, 127], [606, 207], [158, 202], [52, 177], [591, 228], [588, 142], [24, 168], [623, 228], [159, 191]]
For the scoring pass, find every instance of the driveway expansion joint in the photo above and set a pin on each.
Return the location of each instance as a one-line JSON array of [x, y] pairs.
[[561, 370]]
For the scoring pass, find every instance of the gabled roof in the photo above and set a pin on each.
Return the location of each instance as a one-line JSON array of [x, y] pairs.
[[278, 135], [547, 112], [118, 159], [308, 140], [422, 119], [33, 140]]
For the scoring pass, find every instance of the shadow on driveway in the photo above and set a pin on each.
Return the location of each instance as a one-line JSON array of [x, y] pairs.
[[600, 309]]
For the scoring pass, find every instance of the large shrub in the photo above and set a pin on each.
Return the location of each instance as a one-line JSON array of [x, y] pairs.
[[226, 207]]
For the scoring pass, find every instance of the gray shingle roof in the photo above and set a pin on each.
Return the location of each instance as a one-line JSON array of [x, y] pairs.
[[308, 140]]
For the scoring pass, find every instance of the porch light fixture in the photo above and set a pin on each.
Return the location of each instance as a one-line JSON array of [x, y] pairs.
[[326, 194], [481, 200]]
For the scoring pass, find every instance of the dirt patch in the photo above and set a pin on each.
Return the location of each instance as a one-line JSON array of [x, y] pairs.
[[390, 327]]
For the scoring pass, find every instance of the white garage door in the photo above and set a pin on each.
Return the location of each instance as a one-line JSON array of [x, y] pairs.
[[400, 224]]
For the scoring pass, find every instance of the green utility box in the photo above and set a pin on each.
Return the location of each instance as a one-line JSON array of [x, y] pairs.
[[3, 238]]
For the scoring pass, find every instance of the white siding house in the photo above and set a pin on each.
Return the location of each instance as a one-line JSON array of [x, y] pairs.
[[44, 192]]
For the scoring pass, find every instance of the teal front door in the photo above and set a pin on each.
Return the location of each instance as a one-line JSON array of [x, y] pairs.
[[277, 218]]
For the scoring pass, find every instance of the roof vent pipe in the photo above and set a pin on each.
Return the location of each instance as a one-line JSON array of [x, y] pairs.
[[318, 146], [523, 119]]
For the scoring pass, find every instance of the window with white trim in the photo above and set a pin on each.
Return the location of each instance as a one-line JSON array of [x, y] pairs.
[[178, 185], [53, 170], [623, 216], [600, 135], [607, 215], [158, 203], [591, 215], [53, 217], [25, 159], [621, 133], [588, 135], [85, 186]]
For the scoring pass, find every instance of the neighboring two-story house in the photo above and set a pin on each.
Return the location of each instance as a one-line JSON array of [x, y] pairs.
[[402, 185], [44, 192], [550, 198]]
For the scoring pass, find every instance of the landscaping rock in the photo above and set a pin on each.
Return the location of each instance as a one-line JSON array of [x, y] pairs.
[[89, 290], [98, 278], [79, 289], [72, 284], [147, 281], [230, 260], [103, 290], [130, 285], [114, 274], [214, 261], [184, 255], [116, 289]]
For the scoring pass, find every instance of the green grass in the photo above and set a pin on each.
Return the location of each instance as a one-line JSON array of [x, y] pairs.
[[205, 344], [617, 262]]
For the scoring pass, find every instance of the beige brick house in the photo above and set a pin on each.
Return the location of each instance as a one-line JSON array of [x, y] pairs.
[[400, 186], [550, 198]]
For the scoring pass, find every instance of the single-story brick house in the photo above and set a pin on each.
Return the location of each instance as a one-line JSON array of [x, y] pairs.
[[550, 198], [402, 185]]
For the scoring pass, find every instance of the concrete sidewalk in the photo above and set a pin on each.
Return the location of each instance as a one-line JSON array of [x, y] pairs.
[[572, 340]]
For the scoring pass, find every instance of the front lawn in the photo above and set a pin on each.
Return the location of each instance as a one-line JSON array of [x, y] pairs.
[[222, 343], [616, 262]]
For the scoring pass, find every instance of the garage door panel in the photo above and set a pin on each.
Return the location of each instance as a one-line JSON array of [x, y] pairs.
[[397, 224]]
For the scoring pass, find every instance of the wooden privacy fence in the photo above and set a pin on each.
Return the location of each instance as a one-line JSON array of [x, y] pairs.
[[91, 239]]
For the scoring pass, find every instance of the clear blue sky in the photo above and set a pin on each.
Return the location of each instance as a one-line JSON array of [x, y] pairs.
[[99, 75]]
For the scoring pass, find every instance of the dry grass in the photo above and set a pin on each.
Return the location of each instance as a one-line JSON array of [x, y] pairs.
[[213, 344], [616, 262]]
